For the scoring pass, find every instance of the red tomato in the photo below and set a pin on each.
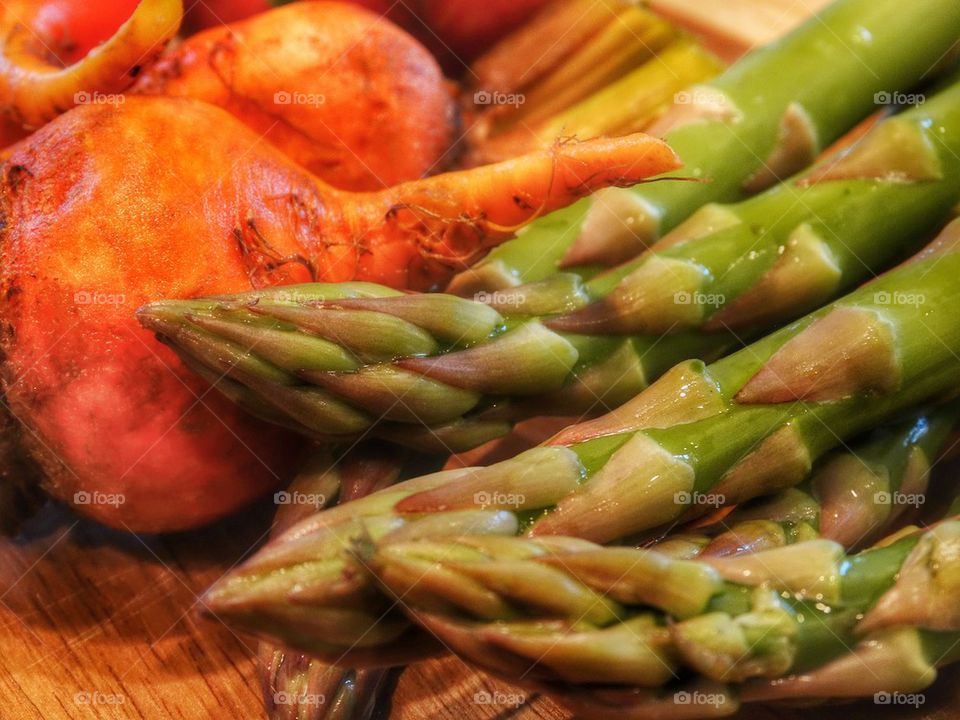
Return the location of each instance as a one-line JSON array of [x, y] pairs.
[[72, 28]]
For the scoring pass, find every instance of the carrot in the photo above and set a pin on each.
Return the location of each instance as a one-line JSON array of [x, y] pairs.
[[110, 207], [416, 234], [34, 90], [344, 92]]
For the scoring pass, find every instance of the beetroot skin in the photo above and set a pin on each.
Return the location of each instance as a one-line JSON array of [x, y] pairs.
[[90, 231]]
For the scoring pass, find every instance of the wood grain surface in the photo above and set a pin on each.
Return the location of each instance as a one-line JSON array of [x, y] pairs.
[[96, 624]]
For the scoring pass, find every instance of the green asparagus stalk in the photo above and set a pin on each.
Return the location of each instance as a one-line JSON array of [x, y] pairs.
[[805, 621], [748, 425], [295, 685], [536, 253], [889, 475], [339, 367], [610, 68], [854, 496], [768, 116], [217, 338]]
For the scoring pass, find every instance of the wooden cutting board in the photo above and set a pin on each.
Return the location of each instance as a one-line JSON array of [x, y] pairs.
[[96, 624]]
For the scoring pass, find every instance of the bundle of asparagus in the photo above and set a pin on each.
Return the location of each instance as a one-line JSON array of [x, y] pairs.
[[750, 424], [315, 586], [450, 372], [614, 631], [891, 464], [762, 120]]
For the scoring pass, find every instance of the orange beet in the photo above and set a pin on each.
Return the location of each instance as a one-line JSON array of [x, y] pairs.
[[343, 91], [89, 235]]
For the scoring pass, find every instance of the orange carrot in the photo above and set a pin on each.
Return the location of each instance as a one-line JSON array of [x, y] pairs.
[[413, 234]]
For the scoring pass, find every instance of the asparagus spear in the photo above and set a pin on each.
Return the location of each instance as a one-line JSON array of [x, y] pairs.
[[750, 424], [295, 685], [764, 118], [435, 359], [596, 623], [536, 253], [336, 342], [853, 497]]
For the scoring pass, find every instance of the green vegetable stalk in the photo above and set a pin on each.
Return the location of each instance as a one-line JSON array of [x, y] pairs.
[[748, 425], [854, 496], [764, 119], [619, 628]]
